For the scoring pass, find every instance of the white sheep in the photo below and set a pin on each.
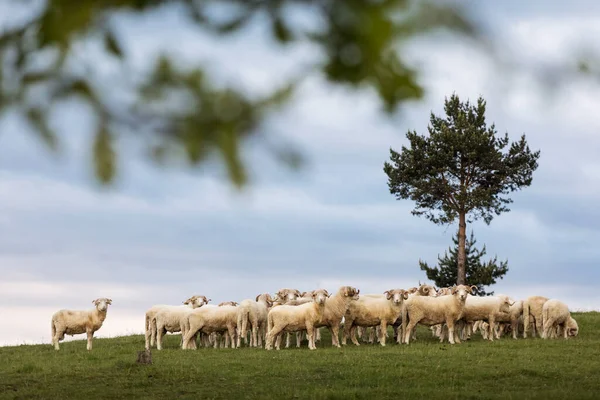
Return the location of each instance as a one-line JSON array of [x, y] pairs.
[[150, 316], [335, 308], [422, 290], [373, 311], [210, 320], [512, 318], [532, 314], [169, 319], [288, 318], [557, 318], [74, 322], [488, 308], [253, 313], [435, 310]]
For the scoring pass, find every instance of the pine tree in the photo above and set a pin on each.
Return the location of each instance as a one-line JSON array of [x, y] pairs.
[[462, 170], [479, 273]]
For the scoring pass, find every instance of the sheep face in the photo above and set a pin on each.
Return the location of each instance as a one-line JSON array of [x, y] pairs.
[[397, 296], [461, 291], [102, 303], [288, 294], [320, 296]]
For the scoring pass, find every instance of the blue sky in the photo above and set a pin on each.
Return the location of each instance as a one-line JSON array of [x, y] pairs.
[[159, 236]]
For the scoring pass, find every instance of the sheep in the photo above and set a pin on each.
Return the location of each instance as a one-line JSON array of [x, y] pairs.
[[211, 320], [514, 314], [73, 322], [532, 308], [150, 321], [169, 319], [286, 318], [373, 311], [335, 309], [422, 290], [435, 310], [486, 309], [254, 312], [557, 318]]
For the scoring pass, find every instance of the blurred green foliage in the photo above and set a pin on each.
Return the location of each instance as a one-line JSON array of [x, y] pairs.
[[178, 108]]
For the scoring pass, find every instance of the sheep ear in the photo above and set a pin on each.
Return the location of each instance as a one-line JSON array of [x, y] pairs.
[[109, 301], [405, 295]]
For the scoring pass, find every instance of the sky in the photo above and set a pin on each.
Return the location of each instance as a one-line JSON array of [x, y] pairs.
[[158, 236]]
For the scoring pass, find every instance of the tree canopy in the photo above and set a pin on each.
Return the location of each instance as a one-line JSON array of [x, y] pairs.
[[478, 272], [462, 169], [174, 108]]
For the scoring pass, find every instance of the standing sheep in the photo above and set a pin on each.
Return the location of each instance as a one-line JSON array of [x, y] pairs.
[[435, 310], [514, 315], [487, 309], [335, 309], [73, 322], [253, 312], [287, 318], [373, 311], [532, 314], [557, 318], [150, 316]]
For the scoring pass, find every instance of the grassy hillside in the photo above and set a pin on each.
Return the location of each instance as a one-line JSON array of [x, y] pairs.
[[504, 369]]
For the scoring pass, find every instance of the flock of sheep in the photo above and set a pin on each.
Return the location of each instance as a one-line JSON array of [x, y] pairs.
[[452, 312]]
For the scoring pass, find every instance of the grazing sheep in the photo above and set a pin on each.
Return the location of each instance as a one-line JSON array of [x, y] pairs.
[[73, 322], [150, 320], [532, 314], [430, 311], [253, 312], [487, 309], [211, 320], [287, 318], [373, 311], [512, 318], [557, 318], [335, 309]]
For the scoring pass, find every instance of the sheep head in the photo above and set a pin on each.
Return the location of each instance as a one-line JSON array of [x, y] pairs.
[[349, 291], [320, 296], [228, 303], [426, 290], [572, 327], [397, 296], [462, 291], [288, 294], [102, 303]]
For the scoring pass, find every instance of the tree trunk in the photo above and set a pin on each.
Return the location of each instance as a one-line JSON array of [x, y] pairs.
[[462, 237]]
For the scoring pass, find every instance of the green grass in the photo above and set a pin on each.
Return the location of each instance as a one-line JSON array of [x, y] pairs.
[[426, 369]]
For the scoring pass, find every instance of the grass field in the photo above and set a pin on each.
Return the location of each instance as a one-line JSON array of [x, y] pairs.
[[505, 369]]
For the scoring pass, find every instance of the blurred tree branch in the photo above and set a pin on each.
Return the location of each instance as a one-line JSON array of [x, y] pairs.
[[179, 108]]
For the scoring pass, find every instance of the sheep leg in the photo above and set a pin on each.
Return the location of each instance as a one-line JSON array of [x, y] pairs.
[[408, 331], [382, 332], [159, 337], [299, 338], [353, 335], [539, 325], [310, 333], [335, 331], [492, 328], [90, 335], [450, 323]]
